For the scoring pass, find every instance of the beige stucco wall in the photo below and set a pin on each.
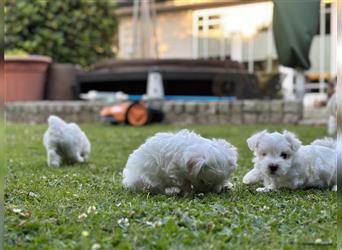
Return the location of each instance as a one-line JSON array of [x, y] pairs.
[[125, 37], [174, 30]]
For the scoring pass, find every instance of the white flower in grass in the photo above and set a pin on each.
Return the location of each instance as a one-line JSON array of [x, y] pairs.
[[91, 209], [82, 216], [16, 210], [123, 222], [318, 241], [95, 246], [264, 208], [149, 223], [31, 194], [157, 223]]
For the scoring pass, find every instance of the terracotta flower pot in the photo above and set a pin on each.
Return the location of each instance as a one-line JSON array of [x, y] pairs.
[[25, 78]]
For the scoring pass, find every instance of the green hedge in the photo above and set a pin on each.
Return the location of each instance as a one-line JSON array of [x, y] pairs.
[[74, 31]]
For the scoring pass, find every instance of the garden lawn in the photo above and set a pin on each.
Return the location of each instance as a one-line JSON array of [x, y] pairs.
[[85, 206]]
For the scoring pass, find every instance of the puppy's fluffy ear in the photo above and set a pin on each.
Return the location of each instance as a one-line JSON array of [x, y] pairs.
[[254, 140], [295, 143], [194, 165]]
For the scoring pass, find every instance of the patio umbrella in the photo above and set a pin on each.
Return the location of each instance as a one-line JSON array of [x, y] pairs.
[[295, 23]]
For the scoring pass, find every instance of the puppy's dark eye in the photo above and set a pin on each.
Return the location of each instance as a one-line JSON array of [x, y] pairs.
[[263, 154], [284, 155]]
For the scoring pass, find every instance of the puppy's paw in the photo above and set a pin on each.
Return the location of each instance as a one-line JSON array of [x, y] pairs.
[[54, 164], [334, 188], [246, 180], [263, 190], [172, 190], [228, 186], [252, 177], [54, 160]]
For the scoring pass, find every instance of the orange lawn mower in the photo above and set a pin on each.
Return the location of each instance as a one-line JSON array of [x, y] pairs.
[[135, 113]]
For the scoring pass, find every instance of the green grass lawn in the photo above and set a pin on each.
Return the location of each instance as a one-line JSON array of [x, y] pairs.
[[51, 208]]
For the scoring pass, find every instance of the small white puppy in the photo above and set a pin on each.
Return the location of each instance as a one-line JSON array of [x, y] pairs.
[[173, 163], [280, 161], [65, 143]]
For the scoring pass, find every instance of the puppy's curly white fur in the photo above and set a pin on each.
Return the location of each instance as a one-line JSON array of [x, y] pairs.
[[65, 143], [173, 163], [280, 161]]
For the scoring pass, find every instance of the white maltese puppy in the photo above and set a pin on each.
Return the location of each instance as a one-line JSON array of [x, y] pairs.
[[280, 161], [173, 163], [65, 143]]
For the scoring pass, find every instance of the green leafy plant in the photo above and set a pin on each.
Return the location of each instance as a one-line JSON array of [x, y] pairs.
[[73, 31], [16, 52]]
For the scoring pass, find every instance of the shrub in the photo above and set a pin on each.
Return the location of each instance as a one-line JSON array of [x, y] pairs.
[[73, 31], [16, 52]]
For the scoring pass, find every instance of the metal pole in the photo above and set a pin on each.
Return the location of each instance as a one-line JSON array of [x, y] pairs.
[[251, 55], [269, 49], [154, 27], [206, 37], [236, 48], [321, 47], [222, 40], [135, 28], [287, 84], [333, 40], [300, 84], [146, 34], [222, 46], [195, 36]]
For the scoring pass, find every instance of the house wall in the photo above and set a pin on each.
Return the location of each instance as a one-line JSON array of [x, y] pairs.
[[315, 54], [174, 31], [175, 36], [260, 48], [125, 37]]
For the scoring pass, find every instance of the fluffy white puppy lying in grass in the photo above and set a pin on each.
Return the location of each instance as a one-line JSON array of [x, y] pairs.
[[65, 143], [280, 161], [173, 163]]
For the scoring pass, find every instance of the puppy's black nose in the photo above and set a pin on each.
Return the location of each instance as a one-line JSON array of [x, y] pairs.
[[273, 168]]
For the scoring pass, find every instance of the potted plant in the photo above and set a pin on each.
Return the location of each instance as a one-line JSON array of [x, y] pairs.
[[25, 76]]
